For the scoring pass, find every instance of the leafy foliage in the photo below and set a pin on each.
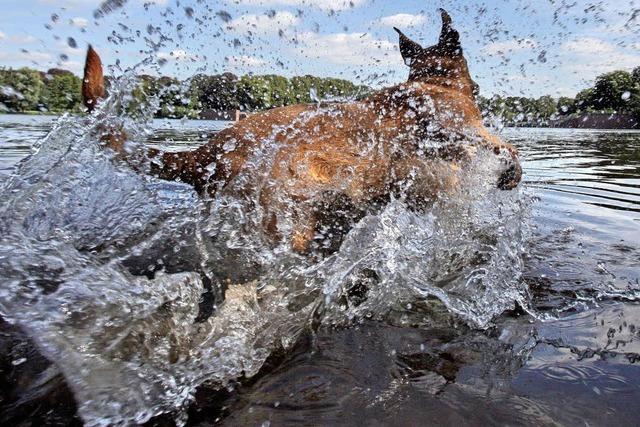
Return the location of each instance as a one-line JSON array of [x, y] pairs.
[[58, 90], [614, 92], [21, 90], [61, 92], [225, 92]]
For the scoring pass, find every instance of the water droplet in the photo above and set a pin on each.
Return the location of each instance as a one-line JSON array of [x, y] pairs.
[[19, 361], [314, 95]]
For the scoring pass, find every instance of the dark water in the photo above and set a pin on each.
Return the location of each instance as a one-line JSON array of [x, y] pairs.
[[580, 366]]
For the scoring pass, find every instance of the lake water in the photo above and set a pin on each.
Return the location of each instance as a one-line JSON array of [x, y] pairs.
[[571, 358]]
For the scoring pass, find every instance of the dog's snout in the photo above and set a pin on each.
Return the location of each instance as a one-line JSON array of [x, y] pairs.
[[510, 177]]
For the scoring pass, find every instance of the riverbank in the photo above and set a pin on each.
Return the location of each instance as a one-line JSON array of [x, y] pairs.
[[601, 121], [597, 121]]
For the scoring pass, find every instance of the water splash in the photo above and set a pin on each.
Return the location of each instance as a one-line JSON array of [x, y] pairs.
[[465, 251], [106, 268]]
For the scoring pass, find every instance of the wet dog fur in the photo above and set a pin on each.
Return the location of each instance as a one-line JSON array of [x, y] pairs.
[[351, 155]]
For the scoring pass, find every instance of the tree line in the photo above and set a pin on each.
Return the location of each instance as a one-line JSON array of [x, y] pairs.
[[614, 92], [56, 91], [26, 90]]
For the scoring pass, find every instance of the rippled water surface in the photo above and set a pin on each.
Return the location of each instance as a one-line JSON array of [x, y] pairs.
[[568, 352]]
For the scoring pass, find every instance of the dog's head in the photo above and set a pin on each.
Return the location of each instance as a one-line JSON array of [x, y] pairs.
[[444, 64], [443, 61]]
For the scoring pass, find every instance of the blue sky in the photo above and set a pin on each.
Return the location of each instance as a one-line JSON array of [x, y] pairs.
[[514, 47]]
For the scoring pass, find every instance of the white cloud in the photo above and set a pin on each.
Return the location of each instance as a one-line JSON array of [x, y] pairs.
[[589, 57], [23, 39], [62, 47], [245, 61], [31, 57], [41, 60], [348, 48], [263, 24], [588, 45], [327, 5], [79, 22], [402, 20], [500, 48], [73, 66], [512, 84], [20, 39], [70, 51], [177, 55]]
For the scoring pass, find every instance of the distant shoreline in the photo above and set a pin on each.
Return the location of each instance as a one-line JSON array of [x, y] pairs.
[[599, 121]]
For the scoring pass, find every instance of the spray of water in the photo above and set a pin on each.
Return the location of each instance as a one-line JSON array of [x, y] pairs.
[[107, 269]]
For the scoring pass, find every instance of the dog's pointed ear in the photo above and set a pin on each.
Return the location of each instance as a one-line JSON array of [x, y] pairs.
[[449, 38], [93, 80], [408, 48]]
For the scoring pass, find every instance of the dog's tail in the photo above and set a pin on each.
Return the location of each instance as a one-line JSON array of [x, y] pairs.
[[110, 134], [93, 80], [186, 166]]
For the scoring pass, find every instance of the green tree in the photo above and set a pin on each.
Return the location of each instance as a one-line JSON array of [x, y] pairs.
[[613, 91], [565, 105], [636, 74], [268, 91], [21, 90], [175, 97], [545, 107], [219, 92], [62, 92], [584, 99], [301, 87]]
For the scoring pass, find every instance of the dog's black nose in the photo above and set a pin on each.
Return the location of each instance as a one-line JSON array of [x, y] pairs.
[[510, 178]]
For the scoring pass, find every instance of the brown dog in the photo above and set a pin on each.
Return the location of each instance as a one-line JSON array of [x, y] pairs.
[[354, 155]]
